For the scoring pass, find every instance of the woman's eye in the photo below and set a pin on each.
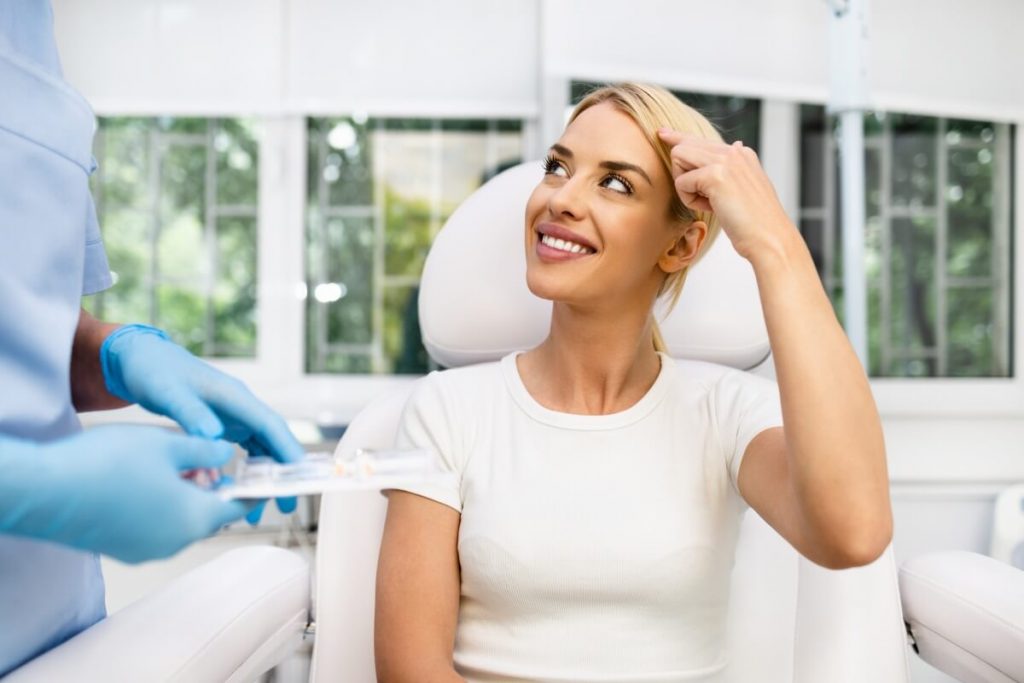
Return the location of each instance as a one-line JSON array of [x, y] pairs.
[[554, 167], [617, 184]]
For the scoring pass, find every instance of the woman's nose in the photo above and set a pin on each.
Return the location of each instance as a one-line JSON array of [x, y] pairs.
[[567, 199]]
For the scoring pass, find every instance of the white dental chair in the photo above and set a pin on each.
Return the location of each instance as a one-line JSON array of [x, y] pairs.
[[232, 619], [965, 611], [790, 620]]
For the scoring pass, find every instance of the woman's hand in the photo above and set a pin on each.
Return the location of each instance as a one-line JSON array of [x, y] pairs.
[[729, 181]]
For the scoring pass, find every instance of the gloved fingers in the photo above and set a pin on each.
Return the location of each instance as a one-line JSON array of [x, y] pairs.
[[254, 447], [223, 512], [192, 452], [255, 512], [285, 505], [278, 440], [188, 410], [266, 426]]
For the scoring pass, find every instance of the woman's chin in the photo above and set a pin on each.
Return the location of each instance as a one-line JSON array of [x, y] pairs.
[[539, 290], [545, 288]]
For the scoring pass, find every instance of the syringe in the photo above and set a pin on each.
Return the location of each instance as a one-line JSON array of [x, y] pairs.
[[320, 472]]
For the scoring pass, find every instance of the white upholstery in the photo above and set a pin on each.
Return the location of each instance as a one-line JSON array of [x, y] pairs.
[[231, 619], [348, 542], [789, 619], [1008, 526], [966, 614]]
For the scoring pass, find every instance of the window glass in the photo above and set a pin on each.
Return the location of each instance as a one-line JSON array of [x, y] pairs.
[[937, 238], [177, 205], [379, 191]]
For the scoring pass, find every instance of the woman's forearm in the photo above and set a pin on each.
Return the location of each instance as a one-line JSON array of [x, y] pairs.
[[836, 450], [418, 673]]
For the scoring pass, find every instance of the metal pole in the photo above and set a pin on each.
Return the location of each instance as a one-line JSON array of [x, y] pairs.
[[848, 100], [851, 187]]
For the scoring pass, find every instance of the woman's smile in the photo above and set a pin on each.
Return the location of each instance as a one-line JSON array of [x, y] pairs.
[[556, 244]]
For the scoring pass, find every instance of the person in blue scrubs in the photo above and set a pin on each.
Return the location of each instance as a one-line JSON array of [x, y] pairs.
[[67, 495]]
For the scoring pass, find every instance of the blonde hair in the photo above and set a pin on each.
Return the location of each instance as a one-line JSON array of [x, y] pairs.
[[652, 107]]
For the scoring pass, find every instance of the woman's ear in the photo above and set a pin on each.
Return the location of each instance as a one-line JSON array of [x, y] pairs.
[[684, 249]]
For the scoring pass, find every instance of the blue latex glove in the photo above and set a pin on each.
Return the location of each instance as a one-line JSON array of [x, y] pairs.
[[141, 365], [113, 490]]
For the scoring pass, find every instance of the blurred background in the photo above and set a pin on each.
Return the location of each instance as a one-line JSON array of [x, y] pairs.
[[272, 172]]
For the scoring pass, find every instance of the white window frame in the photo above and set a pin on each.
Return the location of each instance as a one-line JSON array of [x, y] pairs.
[[904, 397]]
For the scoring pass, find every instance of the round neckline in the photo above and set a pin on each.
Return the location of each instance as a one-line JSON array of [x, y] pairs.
[[633, 413]]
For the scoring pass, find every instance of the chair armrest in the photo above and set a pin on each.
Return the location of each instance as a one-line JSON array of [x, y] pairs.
[[229, 620], [965, 612], [849, 627]]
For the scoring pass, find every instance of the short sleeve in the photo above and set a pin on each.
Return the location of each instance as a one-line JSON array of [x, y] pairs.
[[745, 405], [96, 276], [427, 422]]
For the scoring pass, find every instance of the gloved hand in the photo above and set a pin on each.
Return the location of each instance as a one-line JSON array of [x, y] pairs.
[[141, 365], [113, 490]]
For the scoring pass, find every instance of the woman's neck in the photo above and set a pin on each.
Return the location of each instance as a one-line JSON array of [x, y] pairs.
[[592, 363]]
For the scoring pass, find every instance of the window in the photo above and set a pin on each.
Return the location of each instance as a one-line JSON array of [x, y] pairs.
[[177, 205], [937, 239], [379, 191], [737, 118]]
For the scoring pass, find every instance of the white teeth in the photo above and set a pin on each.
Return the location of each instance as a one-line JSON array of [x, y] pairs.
[[563, 245]]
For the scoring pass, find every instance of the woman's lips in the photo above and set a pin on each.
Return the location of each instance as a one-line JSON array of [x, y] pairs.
[[553, 255]]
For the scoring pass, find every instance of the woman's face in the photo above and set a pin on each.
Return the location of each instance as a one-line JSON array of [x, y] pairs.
[[598, 226]]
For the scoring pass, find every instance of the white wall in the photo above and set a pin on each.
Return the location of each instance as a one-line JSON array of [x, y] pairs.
[[942, 57], [281, 56], [473, 58], [175, 57]]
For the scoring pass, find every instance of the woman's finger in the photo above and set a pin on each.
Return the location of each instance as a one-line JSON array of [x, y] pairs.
[[689, 151], [674, 137], [695, 188]]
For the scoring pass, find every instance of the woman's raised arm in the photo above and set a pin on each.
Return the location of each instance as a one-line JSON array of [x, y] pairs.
[[822, 480]]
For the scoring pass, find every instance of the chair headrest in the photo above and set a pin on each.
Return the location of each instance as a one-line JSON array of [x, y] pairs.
[[475, 307]]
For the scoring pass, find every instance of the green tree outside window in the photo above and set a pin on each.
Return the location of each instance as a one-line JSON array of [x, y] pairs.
[[177, 204], [379, 191]]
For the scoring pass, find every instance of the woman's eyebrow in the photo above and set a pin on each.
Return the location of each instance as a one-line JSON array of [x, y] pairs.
[[561, 149], [623, 166], [564, 151]]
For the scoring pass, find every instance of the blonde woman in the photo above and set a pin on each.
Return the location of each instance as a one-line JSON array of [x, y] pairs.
[[600, 484]]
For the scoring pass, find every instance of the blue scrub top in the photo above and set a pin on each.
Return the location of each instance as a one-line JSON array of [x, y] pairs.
[[50, 255]]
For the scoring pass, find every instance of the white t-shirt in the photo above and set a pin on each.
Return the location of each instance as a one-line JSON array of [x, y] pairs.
[[592, 547]]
